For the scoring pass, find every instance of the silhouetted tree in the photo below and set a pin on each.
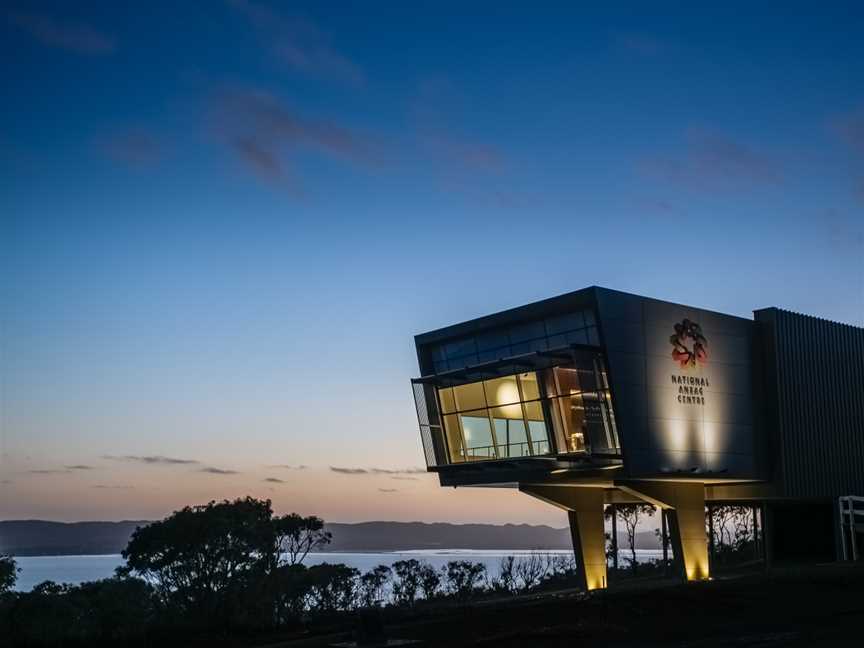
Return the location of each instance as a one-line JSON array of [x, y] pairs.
[[296, 536], [8, 573], [407, 583], [200, 558], [332, 588], [430, 581], [630, 514], [290, 586], [463, 578], [506, 579], [373, 586]]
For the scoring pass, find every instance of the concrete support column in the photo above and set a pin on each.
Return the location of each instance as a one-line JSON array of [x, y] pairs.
[[584, 508], [684, 503]]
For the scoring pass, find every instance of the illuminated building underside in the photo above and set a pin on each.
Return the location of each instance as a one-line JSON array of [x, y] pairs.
[[599, 397]]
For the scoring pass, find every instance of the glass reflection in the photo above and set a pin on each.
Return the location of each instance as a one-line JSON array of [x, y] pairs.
[[528, 414]]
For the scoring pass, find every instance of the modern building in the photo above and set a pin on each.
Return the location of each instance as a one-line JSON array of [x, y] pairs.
[[599, 397]]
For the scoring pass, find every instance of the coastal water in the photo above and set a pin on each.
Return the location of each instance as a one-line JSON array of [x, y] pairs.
[[79, 569]]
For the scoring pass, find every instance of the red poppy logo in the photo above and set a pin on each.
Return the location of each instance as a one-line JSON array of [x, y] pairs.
[[689, 346]]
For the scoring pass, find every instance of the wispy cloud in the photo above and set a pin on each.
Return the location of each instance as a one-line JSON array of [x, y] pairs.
[[405, 478], [289, 466], [463, 151], [79, 467], [349, 471], [50, 471], [274, 480], [388, 490], [377, 471], [152, 460], [263, 132], [299, 43], [135, 147], [442, 136], [112, 487], [6, 482], [51, 31], [711, 159], [218, 471]]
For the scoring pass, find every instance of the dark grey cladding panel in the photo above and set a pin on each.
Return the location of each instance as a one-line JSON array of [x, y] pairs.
[[657, 311], [623, 335], [630, 408], [734, 379], [741, 466], [674, 418], [646, 463], [629, 367], [726, 438], [618, 305]]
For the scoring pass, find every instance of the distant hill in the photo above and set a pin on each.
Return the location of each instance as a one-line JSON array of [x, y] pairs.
[[42, 538]]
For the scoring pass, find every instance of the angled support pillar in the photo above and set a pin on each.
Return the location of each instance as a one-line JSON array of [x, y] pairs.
[[684, 503], [584, 506]]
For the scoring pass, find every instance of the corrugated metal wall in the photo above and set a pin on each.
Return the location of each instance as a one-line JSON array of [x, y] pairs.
[[817, 369]]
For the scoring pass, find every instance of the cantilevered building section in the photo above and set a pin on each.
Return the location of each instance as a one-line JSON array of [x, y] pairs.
[[599, 397]]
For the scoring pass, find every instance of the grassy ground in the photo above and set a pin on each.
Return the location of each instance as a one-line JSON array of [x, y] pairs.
[[813, 606]]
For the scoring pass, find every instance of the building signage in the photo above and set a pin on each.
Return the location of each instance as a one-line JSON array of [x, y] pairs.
[[689, 351]]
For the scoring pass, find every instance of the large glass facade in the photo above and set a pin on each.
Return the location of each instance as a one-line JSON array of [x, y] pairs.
[[561, 409], [500, 418], [554, 409]]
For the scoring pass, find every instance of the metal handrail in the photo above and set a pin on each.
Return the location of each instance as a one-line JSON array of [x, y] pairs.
[[848, 522], [540, 447]]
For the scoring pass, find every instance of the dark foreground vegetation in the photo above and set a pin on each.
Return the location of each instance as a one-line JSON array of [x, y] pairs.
[[232, 571], [232, 574]]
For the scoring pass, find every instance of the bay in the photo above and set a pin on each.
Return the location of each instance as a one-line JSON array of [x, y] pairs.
[[79, 569]]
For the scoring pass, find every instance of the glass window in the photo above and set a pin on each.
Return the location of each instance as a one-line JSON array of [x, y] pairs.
[[513, 416], [527, 331], [556, 341], [589, 318], [492, 340], [502, 391], [534, 411], [530, 386], [573, 414], [567, 380], [587, 380], [510, 431], [441, 366], [537, 428], [479, 442], [577, 337], [494, 354], [448, 405], [564, 323], [538, 345], [458, 348], [454, 438], [593, 337], [469, 397], [539, 437]]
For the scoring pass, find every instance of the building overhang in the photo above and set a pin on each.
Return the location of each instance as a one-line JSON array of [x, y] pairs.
[[531, 469], [508, 366]]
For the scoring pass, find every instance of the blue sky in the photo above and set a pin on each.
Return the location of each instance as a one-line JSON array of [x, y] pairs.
[[223, 222]]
